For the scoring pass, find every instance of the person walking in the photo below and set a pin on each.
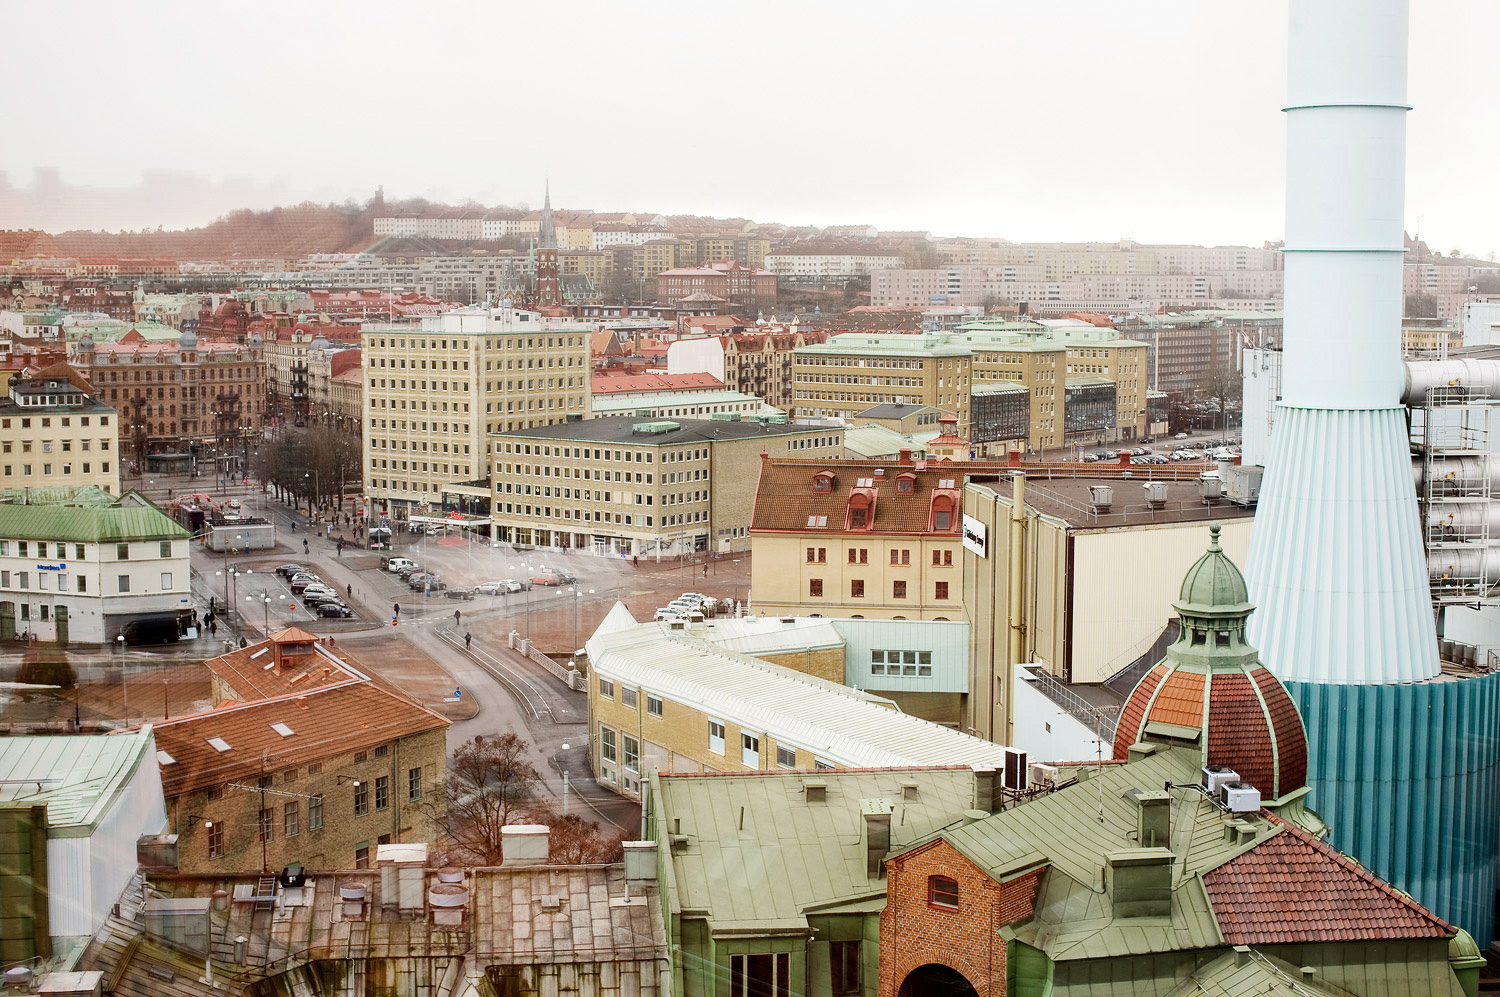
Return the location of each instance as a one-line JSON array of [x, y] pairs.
[[468, 640], [349, 590], [456, 617], [304, 545]]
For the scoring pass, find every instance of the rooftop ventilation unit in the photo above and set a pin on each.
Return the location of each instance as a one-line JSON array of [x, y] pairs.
[[655, 427], [1215, 776], [1041, 775], [1156, 493], [1101, 497], [1015, 770], [1239, 797], [1210, 487]]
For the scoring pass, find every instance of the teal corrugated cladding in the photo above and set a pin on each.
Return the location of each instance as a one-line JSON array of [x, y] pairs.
[[1408, 776]]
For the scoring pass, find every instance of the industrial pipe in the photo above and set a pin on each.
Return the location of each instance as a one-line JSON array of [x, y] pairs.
[[1459, 473], [1016, 645], [1464, 564], [1477, 375]]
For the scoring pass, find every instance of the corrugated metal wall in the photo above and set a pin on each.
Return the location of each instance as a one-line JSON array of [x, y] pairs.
[[1408, 776]]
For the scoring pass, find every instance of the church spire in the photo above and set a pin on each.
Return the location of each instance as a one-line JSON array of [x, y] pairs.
[[549, 231]]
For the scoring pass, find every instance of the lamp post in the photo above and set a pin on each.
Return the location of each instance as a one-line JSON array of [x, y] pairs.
[[577, 601], [265, 601], [124, 687], [526, 584], [564, 766]]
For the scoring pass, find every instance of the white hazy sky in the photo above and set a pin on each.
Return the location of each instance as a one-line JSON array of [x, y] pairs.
[[1152, 119]]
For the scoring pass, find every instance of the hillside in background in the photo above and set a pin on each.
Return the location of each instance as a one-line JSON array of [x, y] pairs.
[[294, 230]]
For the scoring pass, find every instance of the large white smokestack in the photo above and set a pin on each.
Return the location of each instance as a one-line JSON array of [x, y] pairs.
[[1336, 563]]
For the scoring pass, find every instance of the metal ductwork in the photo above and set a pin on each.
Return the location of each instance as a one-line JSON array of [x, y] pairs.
[[1464, 566], [1459, 473], [1479, 376]]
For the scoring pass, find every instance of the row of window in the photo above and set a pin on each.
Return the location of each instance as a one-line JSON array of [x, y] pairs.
[[857, 589], [67, 420], [60, 549], [291, 821], [47, 445], [861, 555], [28, 469]]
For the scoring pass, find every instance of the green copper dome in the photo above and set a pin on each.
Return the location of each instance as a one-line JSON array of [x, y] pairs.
[[1214, 586]]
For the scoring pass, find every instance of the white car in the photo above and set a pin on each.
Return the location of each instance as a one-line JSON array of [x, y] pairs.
[[670, 615], [397, 563], [318, 591]]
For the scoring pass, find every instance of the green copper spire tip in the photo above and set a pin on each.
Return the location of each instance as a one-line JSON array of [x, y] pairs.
[[1213, 536]]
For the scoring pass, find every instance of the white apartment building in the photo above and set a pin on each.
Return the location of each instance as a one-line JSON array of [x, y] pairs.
[[459, 225], [434, 392], [605, 236], [79, 566], [790, 263]]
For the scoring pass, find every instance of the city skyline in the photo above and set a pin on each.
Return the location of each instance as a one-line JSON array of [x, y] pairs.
[[866, 118]]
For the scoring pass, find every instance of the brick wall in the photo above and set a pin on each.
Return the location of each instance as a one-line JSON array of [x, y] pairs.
[[914, 932]]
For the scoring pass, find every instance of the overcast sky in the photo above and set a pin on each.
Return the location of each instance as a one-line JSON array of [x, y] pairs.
[[1092, 119]]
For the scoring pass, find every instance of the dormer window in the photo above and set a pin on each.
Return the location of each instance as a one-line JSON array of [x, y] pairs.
[[942, 513], [906, 484], [823, 481]]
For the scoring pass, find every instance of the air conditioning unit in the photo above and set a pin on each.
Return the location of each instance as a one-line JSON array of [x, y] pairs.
[[1043, 775], [1215, 776], [1240, 797], [1014, 776]]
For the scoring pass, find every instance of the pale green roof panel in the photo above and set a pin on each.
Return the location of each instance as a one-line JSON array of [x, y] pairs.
[[79, 776]]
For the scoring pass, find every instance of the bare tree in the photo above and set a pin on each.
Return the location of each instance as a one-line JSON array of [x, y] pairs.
[[1221, 383], [576, 841], [491, 783]]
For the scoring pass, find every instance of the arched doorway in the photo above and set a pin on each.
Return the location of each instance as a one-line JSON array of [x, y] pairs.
[[936, 980]]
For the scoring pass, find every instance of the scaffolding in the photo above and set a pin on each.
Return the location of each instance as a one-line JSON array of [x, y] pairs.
[[1451, 435]]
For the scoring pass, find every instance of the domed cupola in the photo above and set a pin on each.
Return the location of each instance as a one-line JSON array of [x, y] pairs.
[[1211, 692], [188, 340]]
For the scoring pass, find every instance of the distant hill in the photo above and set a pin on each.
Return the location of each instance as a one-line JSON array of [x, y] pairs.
[[294, 230]]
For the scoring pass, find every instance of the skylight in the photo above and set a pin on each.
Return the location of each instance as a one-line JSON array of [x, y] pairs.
[[282, 729], [218, 743], [165, 759]]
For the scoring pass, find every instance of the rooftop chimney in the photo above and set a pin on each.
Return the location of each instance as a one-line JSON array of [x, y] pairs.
[[1337, 548], [524, 844]]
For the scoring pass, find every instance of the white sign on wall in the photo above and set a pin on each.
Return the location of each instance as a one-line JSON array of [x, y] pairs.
[[976, 537]]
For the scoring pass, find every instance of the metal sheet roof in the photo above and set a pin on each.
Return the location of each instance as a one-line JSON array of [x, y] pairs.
[[841, 725], [78, 777], [87, 524]]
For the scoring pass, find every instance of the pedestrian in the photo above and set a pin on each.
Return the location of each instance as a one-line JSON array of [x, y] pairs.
[[396, 607], [635, 560], [468, 640], [349, 591], [213, 626], [304, 545], [456, 616], [341, 547]]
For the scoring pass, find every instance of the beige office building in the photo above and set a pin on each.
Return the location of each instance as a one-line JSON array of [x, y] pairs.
[[433, 394], [854, 371], [53, 434], [640, 488]]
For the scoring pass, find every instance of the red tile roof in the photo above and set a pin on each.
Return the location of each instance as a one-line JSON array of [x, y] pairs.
[[1293, 888], [324, 696], [1127, 732], [614, 384], [785, 498]]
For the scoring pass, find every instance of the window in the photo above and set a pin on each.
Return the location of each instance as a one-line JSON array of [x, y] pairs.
[[898, 589], [83, 584], [77, 551], [361, 799], [653, 705], [414, 784], [166, 548], [857, 588], [22, 548], [767, 975], [267, 830], [942, 558], [122, 552], [941, 591], [166, 581], [815, 587], [360, 757], [632, 752], [315, 811], [291, 819], [382, 751], [606, 688], [382, 792], [215, 840], [942, 892], [750, 750], [904, 485], [122, 580], [362, 855], [627, 697], [607, 744], [716, 737], [857, 518], [786, 757], [844, 964], [821, 484]]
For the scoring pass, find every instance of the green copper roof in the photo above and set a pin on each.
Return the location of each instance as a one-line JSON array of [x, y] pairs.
[[1214, 586], [77, 777], [77, 519]]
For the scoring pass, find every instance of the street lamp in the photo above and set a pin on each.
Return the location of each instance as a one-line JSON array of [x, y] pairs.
[[265, 600], [124, 688], [563, 765], [526, 584], [577, 597]]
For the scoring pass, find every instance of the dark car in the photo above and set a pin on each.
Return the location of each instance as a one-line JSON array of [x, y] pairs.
[[298, 584], [313, 601], [288, 570], [565, 578], [466, 594], [334, 609], [408, 571]]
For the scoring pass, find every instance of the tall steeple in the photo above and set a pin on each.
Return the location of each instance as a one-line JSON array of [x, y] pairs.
[[549, 231]]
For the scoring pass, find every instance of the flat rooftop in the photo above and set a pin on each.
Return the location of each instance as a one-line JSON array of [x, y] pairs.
[[622, 429], [1069, 498]]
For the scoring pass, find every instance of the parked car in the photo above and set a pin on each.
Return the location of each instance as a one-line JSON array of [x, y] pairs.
[[669, 615], [490, 588], [397, 563], [299, 585], [408, 571], [435, 529], [1179, 436], [334, 609], [288, 570], [516, 584], [459, 594], [546, 578], [319, 599], [419, 580], [318, 592], [564, 577]]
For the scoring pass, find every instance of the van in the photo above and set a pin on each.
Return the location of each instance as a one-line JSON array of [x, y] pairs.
[[395, 564]]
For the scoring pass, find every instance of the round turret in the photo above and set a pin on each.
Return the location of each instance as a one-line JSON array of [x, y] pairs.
[[1211, 691], [188, 340]]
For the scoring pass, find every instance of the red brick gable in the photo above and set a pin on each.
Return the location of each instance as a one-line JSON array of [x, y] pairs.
[[1295, 888], [914, 932]]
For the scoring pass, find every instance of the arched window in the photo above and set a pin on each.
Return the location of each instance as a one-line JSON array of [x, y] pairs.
[[942, 891]]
